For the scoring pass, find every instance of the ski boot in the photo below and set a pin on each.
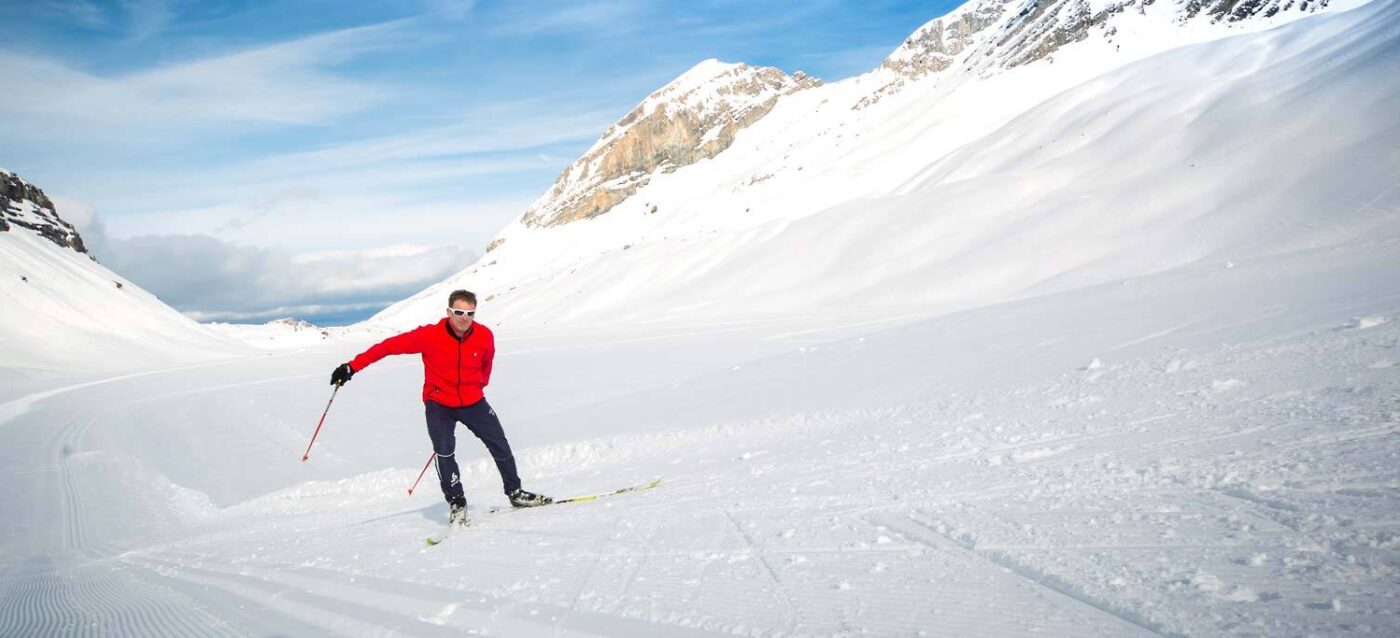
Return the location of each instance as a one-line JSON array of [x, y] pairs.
[[521, 498], [458, 515]]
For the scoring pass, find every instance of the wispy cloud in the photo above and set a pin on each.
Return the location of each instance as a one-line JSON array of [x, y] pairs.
[[494, 128], [592, 17], [146, 18], [451, 9], [83, 13], [414, 185], [279, 84], [139, 19]]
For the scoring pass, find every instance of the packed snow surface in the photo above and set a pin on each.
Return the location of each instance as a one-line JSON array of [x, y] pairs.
[[1228, 466]]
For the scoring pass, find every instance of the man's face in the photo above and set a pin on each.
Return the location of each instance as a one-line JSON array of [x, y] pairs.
[[460, 324]]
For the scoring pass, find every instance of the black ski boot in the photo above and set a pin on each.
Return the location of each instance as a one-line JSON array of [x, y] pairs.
[[521, 498], [458, 515]]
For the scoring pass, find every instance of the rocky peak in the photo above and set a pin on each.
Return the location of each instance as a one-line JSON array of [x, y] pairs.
[[24, 205], [694, 117], [986, 34], [933, 47]]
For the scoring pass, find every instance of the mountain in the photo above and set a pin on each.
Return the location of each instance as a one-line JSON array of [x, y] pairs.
[[62, 307], [1004, 150], [694, 117], [1185, 422], [24, 205]]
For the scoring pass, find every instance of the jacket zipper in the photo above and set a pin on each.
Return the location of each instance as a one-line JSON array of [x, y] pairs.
[[461, 343]]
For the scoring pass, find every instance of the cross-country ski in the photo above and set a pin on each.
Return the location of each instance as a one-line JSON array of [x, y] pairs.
[[467, 520]]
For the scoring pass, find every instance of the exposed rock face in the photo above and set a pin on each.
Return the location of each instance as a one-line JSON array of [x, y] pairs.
[[1235, 10], [933, 46], [986, 34], [694, 117], [24, 205]]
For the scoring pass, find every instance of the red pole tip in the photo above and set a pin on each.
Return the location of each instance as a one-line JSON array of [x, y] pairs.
[[305, 456], [410, 492]]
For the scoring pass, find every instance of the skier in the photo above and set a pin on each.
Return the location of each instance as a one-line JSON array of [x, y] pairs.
[[457, 355]]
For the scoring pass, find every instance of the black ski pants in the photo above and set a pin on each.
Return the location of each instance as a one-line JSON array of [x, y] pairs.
[[482, 421]]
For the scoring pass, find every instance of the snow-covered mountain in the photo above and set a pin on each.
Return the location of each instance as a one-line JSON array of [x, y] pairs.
[[1184, 424], [694, 117], [22, 204], [64, 312], [1003, 150]]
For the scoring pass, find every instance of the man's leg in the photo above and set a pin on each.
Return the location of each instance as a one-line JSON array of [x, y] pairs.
[[441, 423], [482, 421]]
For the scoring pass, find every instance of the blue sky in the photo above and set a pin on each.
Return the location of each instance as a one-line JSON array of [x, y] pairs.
[[245, 160]]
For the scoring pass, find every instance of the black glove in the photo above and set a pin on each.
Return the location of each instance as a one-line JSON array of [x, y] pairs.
[[342, 374]]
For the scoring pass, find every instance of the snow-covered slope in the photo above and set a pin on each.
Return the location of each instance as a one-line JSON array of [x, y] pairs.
[[1202, 452], [288, 333], [64, 312], [1153, 141]]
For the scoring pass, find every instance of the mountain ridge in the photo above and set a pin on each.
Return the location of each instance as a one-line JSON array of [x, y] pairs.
[[691, 118], [819, 200]]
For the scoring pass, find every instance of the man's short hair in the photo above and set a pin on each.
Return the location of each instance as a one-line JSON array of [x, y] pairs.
[[461, 295]]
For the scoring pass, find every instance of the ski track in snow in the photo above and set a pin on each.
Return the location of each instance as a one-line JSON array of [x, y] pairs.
[[1139, 497]]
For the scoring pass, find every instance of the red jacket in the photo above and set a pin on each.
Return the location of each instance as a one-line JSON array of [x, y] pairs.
[[454, 370]]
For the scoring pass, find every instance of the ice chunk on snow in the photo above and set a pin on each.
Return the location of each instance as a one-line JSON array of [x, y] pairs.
[[1363, 323]]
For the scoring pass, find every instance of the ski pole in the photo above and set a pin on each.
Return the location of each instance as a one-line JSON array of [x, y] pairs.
[[307, 453], [420, 474]]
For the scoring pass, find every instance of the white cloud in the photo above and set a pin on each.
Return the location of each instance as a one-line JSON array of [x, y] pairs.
[[76, 212], [209, 278]]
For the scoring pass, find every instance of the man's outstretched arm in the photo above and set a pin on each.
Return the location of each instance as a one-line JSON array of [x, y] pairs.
[[410, 342]]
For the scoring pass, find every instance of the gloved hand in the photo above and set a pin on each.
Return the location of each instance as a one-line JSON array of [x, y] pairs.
[[342, 374]]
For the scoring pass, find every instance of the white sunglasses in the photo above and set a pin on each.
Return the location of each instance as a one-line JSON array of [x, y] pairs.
[[462, 313]]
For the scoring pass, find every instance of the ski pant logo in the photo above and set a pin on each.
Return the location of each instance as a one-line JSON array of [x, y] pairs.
[[454, 479]]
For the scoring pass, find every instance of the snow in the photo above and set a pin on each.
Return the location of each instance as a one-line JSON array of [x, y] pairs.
[[964, 190], [290, 333], [66, 315], [844, 488], [1086, 425]]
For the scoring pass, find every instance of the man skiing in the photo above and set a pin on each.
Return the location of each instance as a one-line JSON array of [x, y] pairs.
[[457, 355]]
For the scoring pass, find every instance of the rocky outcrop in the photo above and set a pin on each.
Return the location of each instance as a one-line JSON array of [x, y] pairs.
[[933, 47], [987, 34], [694, 117], [24, 205], [1236, 10]]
